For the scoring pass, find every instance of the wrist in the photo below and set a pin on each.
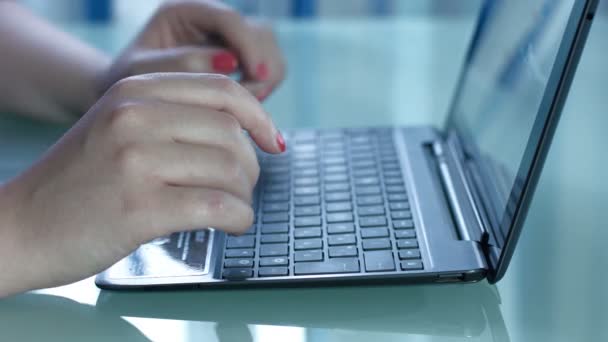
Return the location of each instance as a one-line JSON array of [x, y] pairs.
[[11, 246]]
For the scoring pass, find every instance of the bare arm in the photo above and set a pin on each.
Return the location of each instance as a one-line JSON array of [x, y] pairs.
[[44, 72]]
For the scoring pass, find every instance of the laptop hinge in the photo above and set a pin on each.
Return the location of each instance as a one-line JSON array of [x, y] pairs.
[[460, 196]]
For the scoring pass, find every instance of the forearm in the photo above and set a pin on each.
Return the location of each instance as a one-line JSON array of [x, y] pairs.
[[44, 72]]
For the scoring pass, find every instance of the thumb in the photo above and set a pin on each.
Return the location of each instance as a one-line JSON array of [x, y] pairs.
[[186, 59]]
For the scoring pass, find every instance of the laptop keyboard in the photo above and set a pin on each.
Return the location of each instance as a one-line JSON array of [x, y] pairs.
[[335, 203]]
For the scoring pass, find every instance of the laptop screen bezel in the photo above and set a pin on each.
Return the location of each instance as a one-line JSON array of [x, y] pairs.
[[546, 120]]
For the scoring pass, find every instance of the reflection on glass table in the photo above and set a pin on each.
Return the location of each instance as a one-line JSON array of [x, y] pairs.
[[463, 312]]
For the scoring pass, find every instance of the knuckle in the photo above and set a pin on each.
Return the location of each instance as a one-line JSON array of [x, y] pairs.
[[130, 159], [126, 117], [230, 125], [126, 85], [226, 84], [215, 203], [230, 16], [233, 168]]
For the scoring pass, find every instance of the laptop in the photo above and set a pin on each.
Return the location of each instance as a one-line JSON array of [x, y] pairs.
[[399, 204]]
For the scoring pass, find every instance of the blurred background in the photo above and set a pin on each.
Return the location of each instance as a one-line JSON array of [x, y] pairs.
[[108, 10]]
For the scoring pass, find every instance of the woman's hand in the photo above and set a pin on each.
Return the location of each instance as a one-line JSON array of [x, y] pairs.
[[157, 154], [203, 37]]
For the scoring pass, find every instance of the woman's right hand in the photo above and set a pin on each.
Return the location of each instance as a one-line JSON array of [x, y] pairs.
[[159, 153]]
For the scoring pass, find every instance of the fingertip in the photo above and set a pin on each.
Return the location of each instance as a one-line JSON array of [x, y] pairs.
[[281, 142]]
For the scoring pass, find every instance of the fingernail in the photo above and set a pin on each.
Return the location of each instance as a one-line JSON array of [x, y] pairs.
[[224, 62], [262, 71], [281, 142]]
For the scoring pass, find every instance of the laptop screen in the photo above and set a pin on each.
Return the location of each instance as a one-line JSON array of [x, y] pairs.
[[503, 101]]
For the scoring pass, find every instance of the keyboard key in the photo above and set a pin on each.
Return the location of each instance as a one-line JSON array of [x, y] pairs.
[[372, 221], [239, 253], [409, 254], [343, 251], [339, 217], [399, 206], [306, 191], [367, 181], [309, 221], [275, 218], [278, 187], [411, 265], [251, 231], [363, 163], [338, 206], [306, 173], [329, 169], [331, 266], [306, 181], [407, 243], [340, 228], [308, 256], [306, 200], [393, 181], [274, 238], [402, 214], [274, 250], [403, 224], [405, 234], [314, 210], [341, 240], [395, 189], [368, 190], [336, 178], [337, 187], [397, 197], [276, 197], [275, 228], [304, 233], [240, 242], [237, 273], [304, 244], [394, 173], [379, 261], [275, 207], [391, 166], [334, 160], [273, 271], [376, 244], [274, 261], [371, 210], [367, 233], [232, 263], [337, 196], [367, 172], [369, 200]]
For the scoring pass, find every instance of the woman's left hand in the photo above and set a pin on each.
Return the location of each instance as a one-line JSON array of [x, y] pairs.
[[203, 36]]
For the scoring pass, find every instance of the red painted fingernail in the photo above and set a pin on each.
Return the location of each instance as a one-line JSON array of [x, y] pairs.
[[224, 62], [281, 142], [262, 71]]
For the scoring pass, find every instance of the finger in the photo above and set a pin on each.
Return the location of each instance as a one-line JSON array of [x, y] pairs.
[[186, 208], [215, 17], [201, 166], [272, 59], [273, 56], [185, 59], [260, 90], [209, 91], [163, 122]]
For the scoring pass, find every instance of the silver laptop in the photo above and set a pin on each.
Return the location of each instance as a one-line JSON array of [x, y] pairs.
[[399, 204]]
